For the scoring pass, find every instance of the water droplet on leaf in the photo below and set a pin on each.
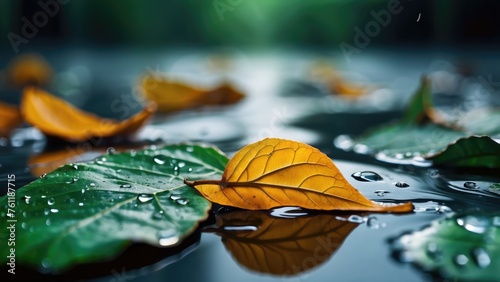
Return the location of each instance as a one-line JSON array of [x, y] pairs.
[[125, 186], [475, 224], [51, 201], [461, 260], [158, 215], [159, 160], [168, 237], [481, 258], [54, 210], [110, 151], [175, 197], [182, 201], [144, 198]]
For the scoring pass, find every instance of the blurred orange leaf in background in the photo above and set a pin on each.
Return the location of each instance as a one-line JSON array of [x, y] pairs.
[[29, 69], [276, 172], [172, 95], [10, 118], [56, 117]]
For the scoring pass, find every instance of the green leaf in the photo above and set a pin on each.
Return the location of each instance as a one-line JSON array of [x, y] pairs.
[[471, 151], [420, 103], [458, 248], [400, 142], [89, 212], [418, 138]]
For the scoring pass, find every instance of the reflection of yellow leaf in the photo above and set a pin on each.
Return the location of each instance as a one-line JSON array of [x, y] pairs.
[[276, 172], [29, 69], [282, 246], [10, 118], [56, 117], [172, 95]]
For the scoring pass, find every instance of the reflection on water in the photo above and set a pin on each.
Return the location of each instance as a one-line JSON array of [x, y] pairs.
[[281, 246]]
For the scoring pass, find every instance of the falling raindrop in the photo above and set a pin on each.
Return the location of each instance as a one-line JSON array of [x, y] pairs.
[[175, 197], [401, 184], [381, 193], [144, 198], [51, 201], [125, 186], [182, 201], [167, 237], [481, 258], [367, 176], [470, 185]]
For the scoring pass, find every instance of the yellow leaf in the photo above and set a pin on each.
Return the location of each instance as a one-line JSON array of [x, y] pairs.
[[29, 69], [281, 246], [10, 118], [58, 118], [172, 95], [276, 172], [337, 84]]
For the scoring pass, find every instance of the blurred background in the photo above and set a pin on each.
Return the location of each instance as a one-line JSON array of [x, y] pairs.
[[247, 24]]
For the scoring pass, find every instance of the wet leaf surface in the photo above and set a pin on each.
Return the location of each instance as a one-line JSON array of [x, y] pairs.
[[88, 212], [281, 246], [423, 135], [460, 247], [276, 172]]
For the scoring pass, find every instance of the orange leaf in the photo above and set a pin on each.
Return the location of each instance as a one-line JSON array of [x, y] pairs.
[[29, 69], [276, 172], [10, 118], [56, 117], [337, 84], [172, 95], [281, 246]]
